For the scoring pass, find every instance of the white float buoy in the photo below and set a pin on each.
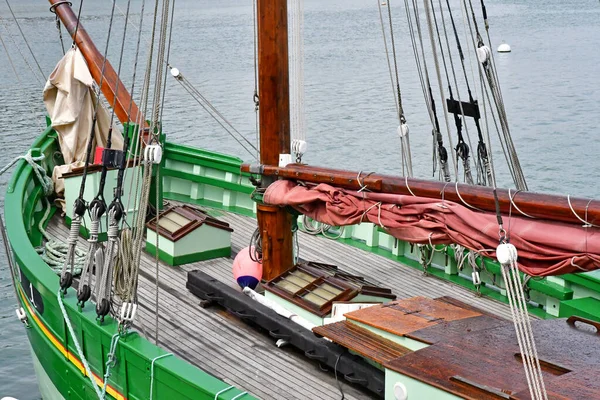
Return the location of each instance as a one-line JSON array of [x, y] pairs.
[[504, 48]]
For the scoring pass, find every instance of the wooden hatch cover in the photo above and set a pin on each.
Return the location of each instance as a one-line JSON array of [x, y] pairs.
[[176, 222], [362, 341], [316, 286], [487, 364], [402, 317]]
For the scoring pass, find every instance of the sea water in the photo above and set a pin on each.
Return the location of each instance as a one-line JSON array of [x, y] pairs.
[[550, 85]]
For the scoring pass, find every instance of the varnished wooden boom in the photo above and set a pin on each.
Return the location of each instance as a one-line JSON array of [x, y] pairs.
[[94, 59], [542, 206]]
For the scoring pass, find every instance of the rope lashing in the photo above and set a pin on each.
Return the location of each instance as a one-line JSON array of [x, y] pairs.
[[111, 360], [152, 373]]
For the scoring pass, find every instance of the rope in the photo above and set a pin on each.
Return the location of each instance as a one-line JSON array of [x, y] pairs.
[[439, 79], [53, 252], [77, 346], [405, 152], [220, 392], [296, 31], [442, 154], [111, 360], [152, 373], [215, 114], [25, 39], [522, 323], [104, 284], [462, 149], [255, 96]]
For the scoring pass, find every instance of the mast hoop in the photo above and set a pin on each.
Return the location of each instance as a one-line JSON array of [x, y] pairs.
[[59, 3]]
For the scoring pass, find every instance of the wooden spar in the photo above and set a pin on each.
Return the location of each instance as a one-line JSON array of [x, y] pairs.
[[543, 206], [94, 60], [274, 223]]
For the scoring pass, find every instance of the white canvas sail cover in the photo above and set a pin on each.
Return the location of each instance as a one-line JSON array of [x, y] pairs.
[[70, 101]]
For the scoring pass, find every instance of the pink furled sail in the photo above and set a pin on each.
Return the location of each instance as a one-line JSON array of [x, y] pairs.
[[545, 248]]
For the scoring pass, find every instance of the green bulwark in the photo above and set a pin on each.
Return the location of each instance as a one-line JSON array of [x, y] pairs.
[[58, 362]]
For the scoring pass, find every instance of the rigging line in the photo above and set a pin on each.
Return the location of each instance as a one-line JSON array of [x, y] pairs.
[[25, 38], [12, 65], [393, 45], [443, 155], [77, 25], [94, 120], [58, 24], [417, 59], [213, 108], [36, 76], [112, 114], [482, 151], [459, 123], [219, 122], [440, 84], [403, 128], [255, 97], [387, 56], [167, 60], [467, 22], [126, 145]]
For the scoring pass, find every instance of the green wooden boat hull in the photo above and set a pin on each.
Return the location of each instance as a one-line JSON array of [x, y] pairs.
[[208, 179]]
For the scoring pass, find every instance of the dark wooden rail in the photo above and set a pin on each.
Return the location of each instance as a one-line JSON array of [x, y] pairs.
[[543, 206]]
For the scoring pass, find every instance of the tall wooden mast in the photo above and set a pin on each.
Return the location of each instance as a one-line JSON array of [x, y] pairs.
[[274, 223]]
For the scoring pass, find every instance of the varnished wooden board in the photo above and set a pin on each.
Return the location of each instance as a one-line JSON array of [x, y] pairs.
[[362, 341], [457, 329], [401, 317], [491, 358], [583, 385], [467, 306]]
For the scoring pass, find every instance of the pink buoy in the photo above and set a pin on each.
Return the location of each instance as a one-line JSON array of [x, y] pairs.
[[246, 272]]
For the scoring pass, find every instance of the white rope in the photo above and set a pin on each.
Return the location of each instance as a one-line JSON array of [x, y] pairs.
[[507, 256], [152, 373], [111, 360], [220, 392], [586, 224], [296, 78], [515, 204], [77, 345]]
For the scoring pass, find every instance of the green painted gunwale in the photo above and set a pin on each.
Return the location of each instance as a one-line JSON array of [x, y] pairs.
[[173, 377]]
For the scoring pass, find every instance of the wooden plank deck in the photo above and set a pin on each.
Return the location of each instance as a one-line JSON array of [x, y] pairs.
[[224, 346]]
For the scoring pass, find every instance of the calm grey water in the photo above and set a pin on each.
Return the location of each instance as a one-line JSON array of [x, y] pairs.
[[550, 85]]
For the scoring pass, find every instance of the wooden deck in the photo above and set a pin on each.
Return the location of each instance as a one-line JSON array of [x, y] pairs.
[[224, 346]]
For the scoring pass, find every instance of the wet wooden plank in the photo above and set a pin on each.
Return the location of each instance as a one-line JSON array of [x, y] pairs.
[[454, 330], [567, 354], [362, 341], [401, 317]]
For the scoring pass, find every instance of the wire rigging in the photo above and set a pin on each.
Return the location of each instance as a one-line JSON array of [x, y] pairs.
[[25, 39], [403, 130], [440, 154]]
